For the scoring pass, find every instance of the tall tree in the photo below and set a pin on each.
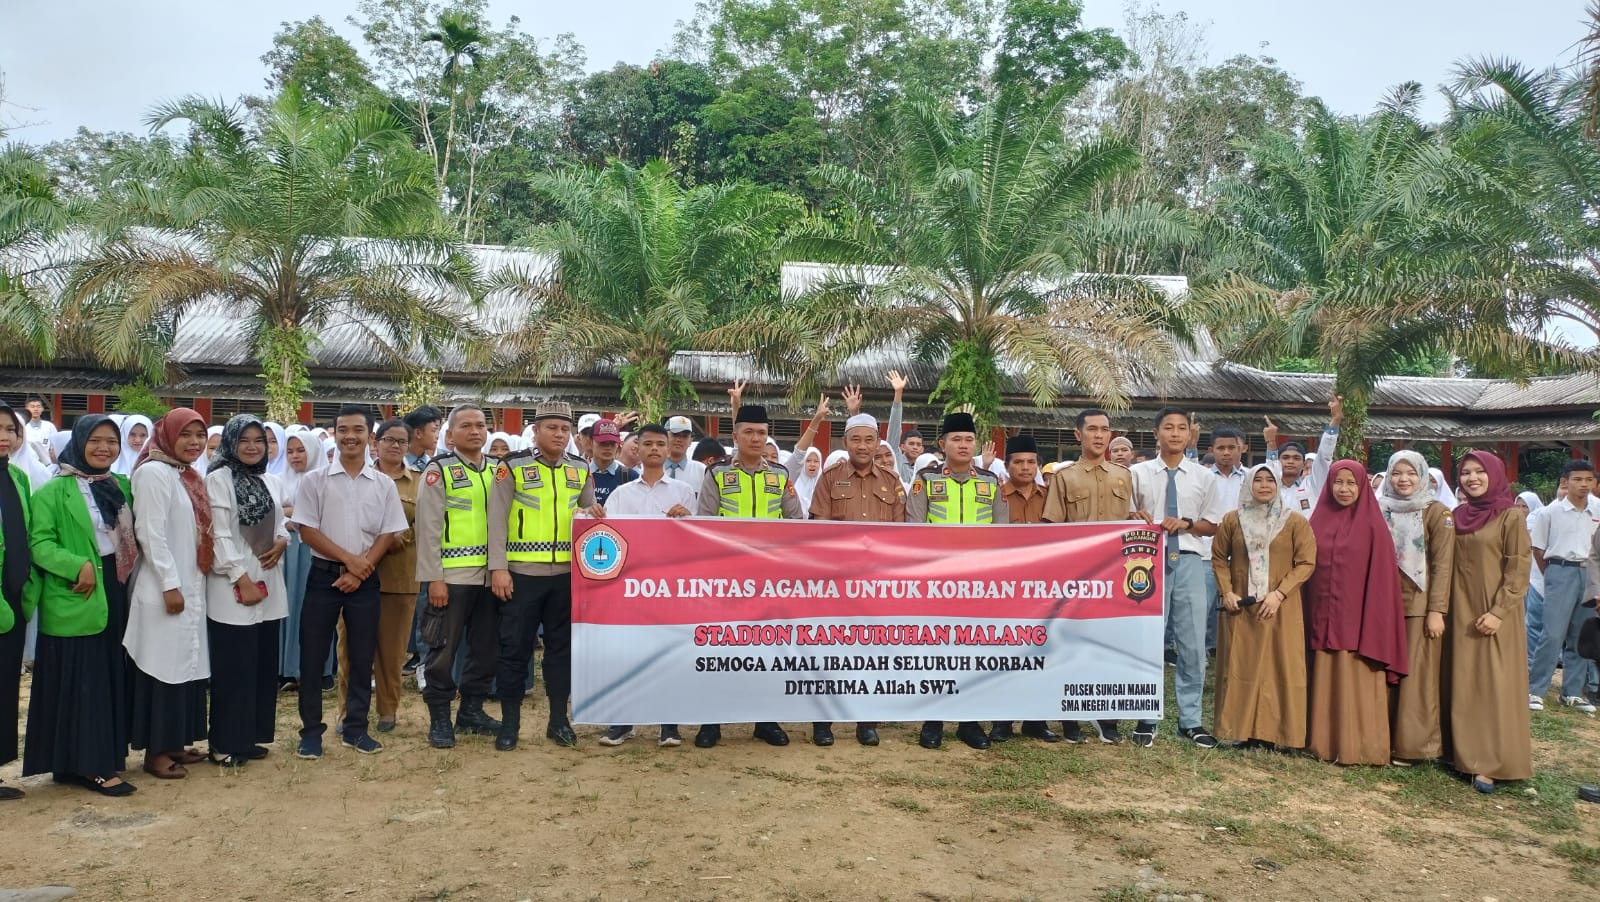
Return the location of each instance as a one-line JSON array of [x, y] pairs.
[[31, 215], [983, 239], [319, 218], [324, 66], [648, 269]]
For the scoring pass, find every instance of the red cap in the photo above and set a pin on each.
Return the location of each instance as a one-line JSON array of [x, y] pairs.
[[605, 431]]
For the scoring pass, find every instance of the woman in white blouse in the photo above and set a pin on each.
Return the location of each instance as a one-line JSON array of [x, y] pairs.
[[245, 597], [303, 452], [166, 635]]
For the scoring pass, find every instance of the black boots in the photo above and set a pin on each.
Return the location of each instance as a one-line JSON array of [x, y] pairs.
[[510, 723], [560, 731], [472, 719], [440, 735]]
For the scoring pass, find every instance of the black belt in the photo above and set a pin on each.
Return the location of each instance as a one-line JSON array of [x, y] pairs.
[[1558, 562], [1195, 553], [334, 567]]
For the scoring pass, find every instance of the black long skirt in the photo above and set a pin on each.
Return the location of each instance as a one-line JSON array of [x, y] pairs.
[[167, 717], [244, 685], [11, 644], [79, 711]]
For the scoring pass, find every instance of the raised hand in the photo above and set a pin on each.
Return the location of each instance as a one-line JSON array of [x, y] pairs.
[[897, 382], [628, 418], [822, 408], [852, 399], [1270, 434], [1336, 410], [736, 394]]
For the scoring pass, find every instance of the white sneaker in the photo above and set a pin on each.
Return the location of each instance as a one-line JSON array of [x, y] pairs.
[[1535, 703], [1578, 702]]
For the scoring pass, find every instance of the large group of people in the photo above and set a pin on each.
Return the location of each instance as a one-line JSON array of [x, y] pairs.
[[180, 577]]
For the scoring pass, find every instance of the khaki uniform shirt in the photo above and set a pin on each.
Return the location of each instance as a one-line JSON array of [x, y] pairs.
[[430, 528], [711, 494], [397, 572], [500, 498], [876, 496], [1027, 504], [1089, 493]]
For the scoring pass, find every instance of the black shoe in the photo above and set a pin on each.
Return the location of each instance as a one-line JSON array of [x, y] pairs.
[[411, 664], [1002, 732], [932, 734], [710, 734], [772, 734], [1199, 737], [440, 734], [287, 686], [1036, 729], [1072, 732], [1144, 734], [971, 732], [1109, 734], [560, 732], [510, 724], [1589, 794], [98, 784], [328, 683], [471, 718], [822, 734], [257, 752], [867, 734]]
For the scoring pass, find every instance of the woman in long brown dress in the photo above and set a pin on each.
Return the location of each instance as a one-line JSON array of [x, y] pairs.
[[1424, 546], [1486, 643], [1263, 552], [1355, 623]]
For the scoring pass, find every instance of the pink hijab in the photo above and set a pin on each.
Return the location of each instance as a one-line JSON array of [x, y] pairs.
[[1352, 600], [163, 438]]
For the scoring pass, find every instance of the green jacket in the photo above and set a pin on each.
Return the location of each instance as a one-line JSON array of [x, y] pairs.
[[63, 541], [30, 595]]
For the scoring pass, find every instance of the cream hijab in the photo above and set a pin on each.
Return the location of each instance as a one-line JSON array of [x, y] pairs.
[[1260, 522], [1404, 513]]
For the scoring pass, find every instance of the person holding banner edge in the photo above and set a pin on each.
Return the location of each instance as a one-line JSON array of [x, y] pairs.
[[536, 493], [1025, 499], [751, 488], [956, 492]]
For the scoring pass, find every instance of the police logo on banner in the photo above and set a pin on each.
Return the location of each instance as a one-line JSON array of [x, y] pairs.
[[601, 553], [1139, 563]]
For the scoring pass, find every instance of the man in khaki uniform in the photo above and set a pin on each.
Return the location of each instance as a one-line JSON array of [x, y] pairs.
[[1025, 499], [857, 490], [1091, 489]]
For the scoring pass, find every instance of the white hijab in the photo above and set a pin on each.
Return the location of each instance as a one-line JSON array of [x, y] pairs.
[[1260, 524], [290, 477], [278, 462], [510, 440], [125, 460], [1446, 495], [804, 485]]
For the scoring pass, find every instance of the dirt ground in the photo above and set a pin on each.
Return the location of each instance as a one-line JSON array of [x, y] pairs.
[[745, 821]]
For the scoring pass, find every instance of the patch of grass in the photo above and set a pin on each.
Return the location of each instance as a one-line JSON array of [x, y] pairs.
[[1137, 850], [1555, 728], [906, 803], [1025, 766], [779, 775], [918, 781], [1585, 862], [1283, 841], [1404, 836], [1550, 811]]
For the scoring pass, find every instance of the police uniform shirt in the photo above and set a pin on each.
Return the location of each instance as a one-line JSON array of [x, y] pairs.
[[501, 496], [1196, 495], [1026, 505], [436, 479], [917, 501], [1089, 493], [711, 493], [842, 493], [1565, 533]]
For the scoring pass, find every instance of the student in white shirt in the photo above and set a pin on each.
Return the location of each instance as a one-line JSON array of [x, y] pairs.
[[38, 430], [1227, 449], [1563, 534], [679, 465], [1179, 495], [1302, 474]]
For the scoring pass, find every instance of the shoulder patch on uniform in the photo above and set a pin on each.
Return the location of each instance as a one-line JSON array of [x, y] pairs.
[[501, 473], [916, 487], [432, 478]]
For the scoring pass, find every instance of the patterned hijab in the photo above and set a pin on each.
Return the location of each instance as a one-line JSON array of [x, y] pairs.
[[1260, 523], [163, 439], [249, 490], [1403, 513], [103, 488]]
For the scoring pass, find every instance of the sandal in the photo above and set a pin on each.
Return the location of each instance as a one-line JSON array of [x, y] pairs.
[[226, 760], [98, 784], [11, 793], [189, 756], [173, 771]]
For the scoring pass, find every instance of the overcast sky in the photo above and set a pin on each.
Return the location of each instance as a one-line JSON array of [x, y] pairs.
[[104, 64]]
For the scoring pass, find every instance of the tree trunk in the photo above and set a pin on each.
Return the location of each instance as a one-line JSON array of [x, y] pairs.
[[1353, 430]]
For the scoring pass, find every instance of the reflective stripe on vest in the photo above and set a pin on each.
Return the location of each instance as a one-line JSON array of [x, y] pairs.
[[465, 541], [756, 495], [949, 501], [543, 500]]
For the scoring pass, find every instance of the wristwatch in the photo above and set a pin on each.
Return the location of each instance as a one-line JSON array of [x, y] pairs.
[[1188, 523]]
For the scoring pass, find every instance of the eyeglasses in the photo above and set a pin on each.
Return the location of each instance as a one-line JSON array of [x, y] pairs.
[[393, 442]]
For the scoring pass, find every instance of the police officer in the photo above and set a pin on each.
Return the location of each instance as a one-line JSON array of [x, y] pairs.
[[956, 492], [751, 488], [453, 562], [1091, 489], [536, 493]]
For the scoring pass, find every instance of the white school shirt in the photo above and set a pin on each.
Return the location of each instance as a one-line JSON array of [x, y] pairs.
[[690, 471], [642, 500], [1227, 498], [232, 558], [105, 540], [1302, 496], [1196, 495], [1565, 533], [358, 508], [37, 434], [170, 647]]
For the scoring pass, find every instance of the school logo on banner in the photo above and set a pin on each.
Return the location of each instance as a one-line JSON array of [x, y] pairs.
[[1139, 563], [601, 553]]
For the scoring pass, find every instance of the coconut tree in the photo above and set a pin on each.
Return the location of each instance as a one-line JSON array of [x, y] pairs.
[[647, 268], [307, 220], [1359, 243], [972, 256]]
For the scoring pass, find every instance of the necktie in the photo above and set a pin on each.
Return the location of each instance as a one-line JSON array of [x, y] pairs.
[[673, 466], [1172, 511]]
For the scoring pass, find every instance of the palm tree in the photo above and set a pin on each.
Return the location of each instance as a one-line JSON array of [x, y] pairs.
[[463, 39], [972, 257], [1359, 244], [30, 216], [314, 218], [648, 269]]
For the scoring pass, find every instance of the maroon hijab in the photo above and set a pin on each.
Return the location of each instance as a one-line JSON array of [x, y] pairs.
[[163, 438], [1352, 600], [1476, 513]]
